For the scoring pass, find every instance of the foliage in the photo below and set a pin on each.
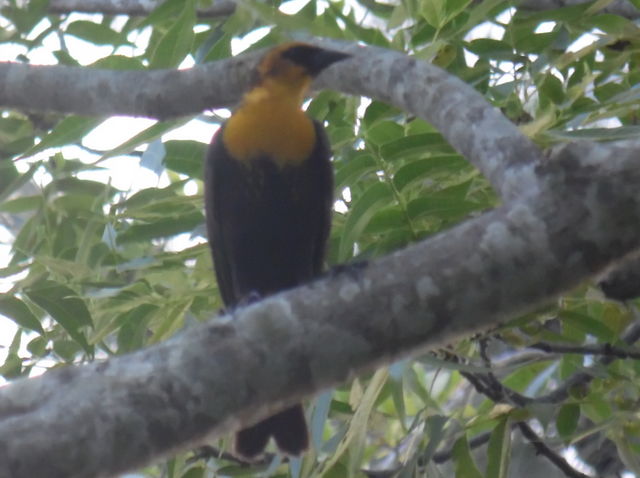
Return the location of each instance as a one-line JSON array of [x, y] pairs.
[[95, 270]]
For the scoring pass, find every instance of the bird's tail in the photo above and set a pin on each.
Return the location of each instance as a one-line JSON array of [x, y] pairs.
[[288, 428]]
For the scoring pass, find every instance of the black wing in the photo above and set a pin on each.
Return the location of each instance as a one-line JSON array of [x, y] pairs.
[[213, 186], [268, 225]]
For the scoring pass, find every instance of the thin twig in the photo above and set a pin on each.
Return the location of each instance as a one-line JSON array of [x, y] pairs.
[[548, 453], [210, 452], [630, 336], [607, 350], [475, 442]]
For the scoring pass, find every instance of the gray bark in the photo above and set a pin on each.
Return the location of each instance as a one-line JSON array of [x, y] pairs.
[[472, 126], [564, 220], [624, 8], [219, 8], [119, 414]]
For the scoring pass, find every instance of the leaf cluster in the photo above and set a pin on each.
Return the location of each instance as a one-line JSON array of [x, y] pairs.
[[96, 270]]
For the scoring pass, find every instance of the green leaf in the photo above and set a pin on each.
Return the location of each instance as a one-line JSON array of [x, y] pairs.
[[397, 395], [552, 89], [433, 12], [355, 166], [384, 132], [479, 13], [171, 320], [22, 204], [195, 472], [423, 169], [609, 91], [319, 417], [464, 465], [176, 44], [354, 29], [386, 220], [66, 349], [12, 182], [356, 433], [70, 130], [535, 43], [83, 187], [166, 227], [455, 7], [377, 111], [439, 205], [491, 49], [435, 431], [383, 10], [13, 269], [587, 324], [217, 47], [360, 214], [96, 33], [609, 23], [12, 367], [241, 470], [186, 157], [595, 134], [65, 307], [417, 144], [16, 310], [26, 17], [627, 448], [16, 135], [131, 327], [163, 12], [151, 133], [523, 376], [499, 449], [38, 346], [567, 420], [65, 58], [118, 62]]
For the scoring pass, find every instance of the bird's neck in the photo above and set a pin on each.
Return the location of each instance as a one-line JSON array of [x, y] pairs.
[[270, 123]]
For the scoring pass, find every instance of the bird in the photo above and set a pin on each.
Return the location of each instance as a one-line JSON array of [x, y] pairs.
[[268, 201]]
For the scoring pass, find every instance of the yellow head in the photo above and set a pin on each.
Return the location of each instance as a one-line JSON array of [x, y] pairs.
[[288, 69], [269, 122]]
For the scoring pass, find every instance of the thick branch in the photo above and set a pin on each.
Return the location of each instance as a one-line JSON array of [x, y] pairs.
[[469, 123], [472, 126], [219, 376], [623, 8], [219, 8], [623, 281]]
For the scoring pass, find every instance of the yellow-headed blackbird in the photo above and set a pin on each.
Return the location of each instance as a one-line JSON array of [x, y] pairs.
[[268, 197]]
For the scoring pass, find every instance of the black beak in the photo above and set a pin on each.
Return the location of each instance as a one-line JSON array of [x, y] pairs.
[[313, 58], [323, 59]]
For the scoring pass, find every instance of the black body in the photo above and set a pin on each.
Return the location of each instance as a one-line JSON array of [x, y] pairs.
[[268, 227]]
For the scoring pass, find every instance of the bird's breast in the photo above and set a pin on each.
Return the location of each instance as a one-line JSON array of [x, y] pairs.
[[270, 129]]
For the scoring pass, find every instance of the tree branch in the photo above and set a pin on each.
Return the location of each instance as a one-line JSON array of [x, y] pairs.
[[588, 349], [623, 8], [548, 453], [488, 385], [220, 376], [219, 8], [630, 336], [471, 125], [623, 281], [477, 441]]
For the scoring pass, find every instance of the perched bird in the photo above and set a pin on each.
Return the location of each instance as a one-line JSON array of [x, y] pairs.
[[268, 199]]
